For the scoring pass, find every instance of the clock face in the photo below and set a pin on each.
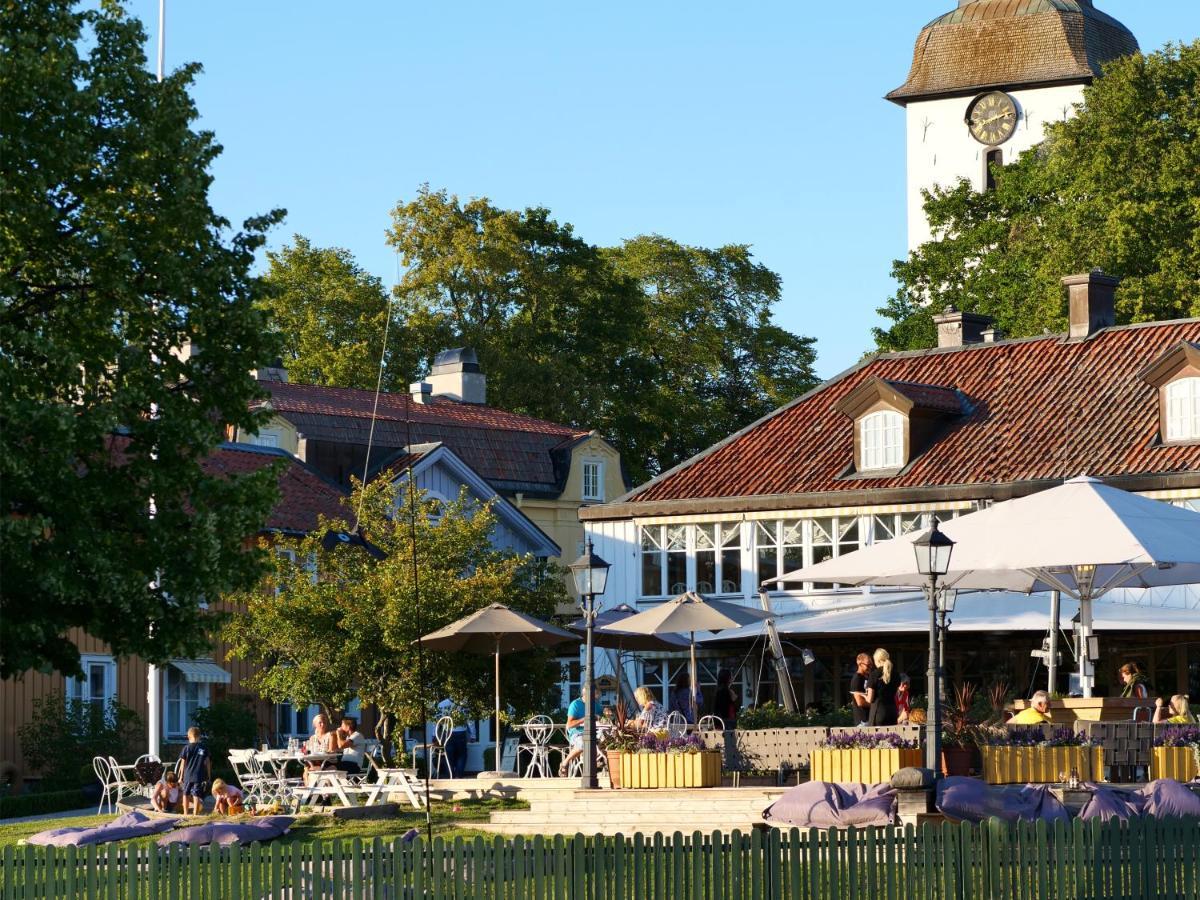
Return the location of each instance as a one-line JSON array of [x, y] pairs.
[[992, 118]]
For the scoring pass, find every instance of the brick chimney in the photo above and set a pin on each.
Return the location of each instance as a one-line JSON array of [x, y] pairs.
[[456, 375], [1092, 302], [957, 329]]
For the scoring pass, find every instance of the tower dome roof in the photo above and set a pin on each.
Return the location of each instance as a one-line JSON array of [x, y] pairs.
[[1010, 43]]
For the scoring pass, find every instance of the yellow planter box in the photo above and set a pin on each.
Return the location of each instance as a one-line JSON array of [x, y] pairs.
[[671, 770], [1173, 762], [1045, 765], [863, 766]]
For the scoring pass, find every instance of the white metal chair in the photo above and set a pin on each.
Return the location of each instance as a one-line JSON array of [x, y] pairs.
[[108, 787], [436, 750], [250, 775], [710, 723], [124, 779], [538, 731], [676, 724]]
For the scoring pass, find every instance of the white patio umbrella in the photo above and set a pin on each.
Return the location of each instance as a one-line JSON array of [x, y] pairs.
[[497, 629], [1083, 538], [687, 614]]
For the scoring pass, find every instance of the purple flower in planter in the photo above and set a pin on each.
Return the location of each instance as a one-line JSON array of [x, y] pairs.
[[865, 740], [662, 742], [1178, 736]]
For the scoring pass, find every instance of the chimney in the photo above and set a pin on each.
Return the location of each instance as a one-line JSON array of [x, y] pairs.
[[992, 335], [456, 375], [420, 391], [1092, 299], [957, 329], [274, 372]]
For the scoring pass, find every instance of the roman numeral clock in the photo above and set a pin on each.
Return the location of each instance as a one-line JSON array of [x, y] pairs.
[[992, 118]]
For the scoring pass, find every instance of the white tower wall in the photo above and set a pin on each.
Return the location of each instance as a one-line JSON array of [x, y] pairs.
[[941, 150]]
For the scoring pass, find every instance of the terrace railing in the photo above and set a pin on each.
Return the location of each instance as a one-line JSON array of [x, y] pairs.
[[1143, 859]]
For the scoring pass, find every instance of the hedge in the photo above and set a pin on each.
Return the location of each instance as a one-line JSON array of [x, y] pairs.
[[43, 802]]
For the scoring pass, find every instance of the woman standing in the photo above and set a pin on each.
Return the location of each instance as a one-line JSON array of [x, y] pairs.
[[725, 703], [881, 690]]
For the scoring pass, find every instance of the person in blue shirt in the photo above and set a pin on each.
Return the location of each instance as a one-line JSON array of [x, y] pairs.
[[576, 720]]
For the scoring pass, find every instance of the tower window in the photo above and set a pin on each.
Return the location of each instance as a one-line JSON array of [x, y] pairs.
[[992, 161]]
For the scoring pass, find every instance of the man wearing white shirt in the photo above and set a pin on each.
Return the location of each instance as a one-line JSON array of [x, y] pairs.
[[352, 744]]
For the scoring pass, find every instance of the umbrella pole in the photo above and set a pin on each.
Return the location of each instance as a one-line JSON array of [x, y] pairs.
[[692, 680], [1086, 669], [496, 761]]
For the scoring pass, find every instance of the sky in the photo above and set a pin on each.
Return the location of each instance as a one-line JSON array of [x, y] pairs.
[[759, 123]]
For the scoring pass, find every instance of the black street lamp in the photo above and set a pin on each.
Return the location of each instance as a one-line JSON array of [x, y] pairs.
[[591, 577], [933, 551]]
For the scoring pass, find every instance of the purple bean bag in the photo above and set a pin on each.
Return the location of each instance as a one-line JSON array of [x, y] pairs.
[[1163, 799], [972, 800], [131, 825], [224, 833], [821, 804]]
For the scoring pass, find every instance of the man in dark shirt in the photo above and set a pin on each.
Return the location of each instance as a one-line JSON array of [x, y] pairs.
[[858, 690], [195, 772]]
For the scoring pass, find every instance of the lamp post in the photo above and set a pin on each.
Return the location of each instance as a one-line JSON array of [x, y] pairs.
[[933, 551], [591, 577], [946, 599]]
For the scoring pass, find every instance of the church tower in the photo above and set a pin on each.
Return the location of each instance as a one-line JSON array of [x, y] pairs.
[[985, 79]]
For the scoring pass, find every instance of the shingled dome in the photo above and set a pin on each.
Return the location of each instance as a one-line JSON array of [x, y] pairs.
[[1010, 43]]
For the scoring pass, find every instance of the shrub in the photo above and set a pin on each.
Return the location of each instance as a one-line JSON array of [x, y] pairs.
[[772, 715], [227, 724], [62, 736], [43, 802]]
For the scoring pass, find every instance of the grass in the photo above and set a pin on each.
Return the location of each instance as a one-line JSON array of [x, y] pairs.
[[450, 819]]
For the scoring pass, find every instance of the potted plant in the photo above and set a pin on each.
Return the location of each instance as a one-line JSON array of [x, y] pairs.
[[861, 756], [1176, 753], [1022, 756], [958, 733], [622, 738], [664, 761]]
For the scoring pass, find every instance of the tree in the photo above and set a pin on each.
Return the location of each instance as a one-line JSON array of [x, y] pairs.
[[1114, 187], [329, 625], [112, 265], [330, 314]]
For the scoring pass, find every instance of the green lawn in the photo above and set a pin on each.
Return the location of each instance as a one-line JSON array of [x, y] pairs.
[[449, 820]]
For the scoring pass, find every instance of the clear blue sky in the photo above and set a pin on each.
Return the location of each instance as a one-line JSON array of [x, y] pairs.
[[711, 123]]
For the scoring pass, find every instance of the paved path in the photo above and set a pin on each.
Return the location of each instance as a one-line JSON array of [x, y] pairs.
[[69, 814]]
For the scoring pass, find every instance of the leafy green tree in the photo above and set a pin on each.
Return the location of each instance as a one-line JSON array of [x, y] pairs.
[[111, 261], [330, 315], [1114, 187], [63, 736], [329, 625]]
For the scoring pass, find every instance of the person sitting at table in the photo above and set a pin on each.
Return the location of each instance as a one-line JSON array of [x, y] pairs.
[[1177, 712], [576, 723], [652, 715], [682, 698], [1036, 713], [350, 741], [320, 741]]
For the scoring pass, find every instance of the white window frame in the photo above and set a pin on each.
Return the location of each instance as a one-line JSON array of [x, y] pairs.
[[203, 698], [79, 689], [1181, 414], [596, 492], [310, 710], [881, 441], [267, 437]]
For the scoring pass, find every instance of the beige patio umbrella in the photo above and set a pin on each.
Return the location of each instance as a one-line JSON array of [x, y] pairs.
[[497, 629], [687, 614]]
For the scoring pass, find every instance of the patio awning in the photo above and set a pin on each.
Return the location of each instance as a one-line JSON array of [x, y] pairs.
[[201, 671], [975, 611]]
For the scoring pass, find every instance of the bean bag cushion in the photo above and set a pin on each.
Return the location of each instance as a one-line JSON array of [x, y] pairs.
[[131, 825], [223, 833], [971, 800], [1162, 799], [821, 804]]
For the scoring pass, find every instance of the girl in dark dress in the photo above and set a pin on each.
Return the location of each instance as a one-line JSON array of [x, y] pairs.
[[881, 690], [725, 705]]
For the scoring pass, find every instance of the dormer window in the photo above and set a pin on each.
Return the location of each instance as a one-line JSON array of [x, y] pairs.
[[1183, 409], [881, 440], [1176, 375]]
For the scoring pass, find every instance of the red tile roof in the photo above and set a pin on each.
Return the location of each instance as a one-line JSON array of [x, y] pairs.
[[513, 451], [929, 396], [304, 495], [1041, 408]]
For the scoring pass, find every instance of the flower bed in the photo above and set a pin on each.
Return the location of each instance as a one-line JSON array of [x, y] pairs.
[[867, 758], [1027, 756], [1176, 753], [662, 761]]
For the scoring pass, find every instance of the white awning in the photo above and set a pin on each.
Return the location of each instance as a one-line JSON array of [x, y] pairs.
[[202, 671]]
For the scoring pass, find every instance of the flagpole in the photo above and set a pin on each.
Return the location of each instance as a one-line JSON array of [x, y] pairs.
[[162, 36]]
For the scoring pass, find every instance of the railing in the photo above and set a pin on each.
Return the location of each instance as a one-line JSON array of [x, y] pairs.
[[1146, 858]]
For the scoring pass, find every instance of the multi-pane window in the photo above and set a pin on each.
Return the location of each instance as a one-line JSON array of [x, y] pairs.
[[676, 550], [881, 440], [730, 573], [789, 544], [183, 698], [1183, 409], [593, 480], [295, 720], [766, 543], [833, 537], [792, 551], [718, 552], [664, 560], [706, 558], [98, 684], [889, 526], [715, 550]]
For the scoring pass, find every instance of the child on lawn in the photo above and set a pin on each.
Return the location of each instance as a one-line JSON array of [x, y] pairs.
[[229, 800], [194, 769], [167, 794]]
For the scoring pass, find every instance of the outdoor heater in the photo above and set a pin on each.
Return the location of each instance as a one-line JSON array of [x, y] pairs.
[[933, 551], [591, 577]]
